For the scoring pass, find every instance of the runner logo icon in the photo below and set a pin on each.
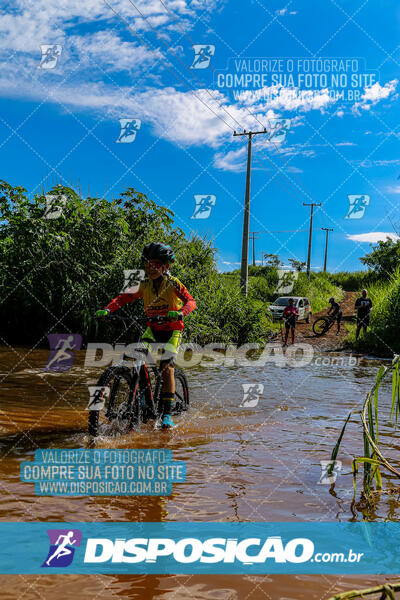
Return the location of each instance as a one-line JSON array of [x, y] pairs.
[[62, 547], [62, 348]]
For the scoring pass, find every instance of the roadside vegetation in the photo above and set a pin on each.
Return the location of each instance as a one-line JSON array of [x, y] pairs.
[[56, 272], [382, 281]]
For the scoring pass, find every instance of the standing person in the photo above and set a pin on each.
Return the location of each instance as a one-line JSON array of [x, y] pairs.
[[335, 313], [290, 315], [163, 295], [363, 306]]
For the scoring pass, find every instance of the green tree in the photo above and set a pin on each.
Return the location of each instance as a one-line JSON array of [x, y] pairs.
[[272, 260], [55, 272], [384, 257], [297, 265]]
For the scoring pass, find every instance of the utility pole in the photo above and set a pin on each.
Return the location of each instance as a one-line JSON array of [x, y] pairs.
[[326, 244], [310, 236], [245, 239], [253, 237]]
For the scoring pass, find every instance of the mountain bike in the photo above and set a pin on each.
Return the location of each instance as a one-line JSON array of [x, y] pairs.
[[323, 325], [128, 395]]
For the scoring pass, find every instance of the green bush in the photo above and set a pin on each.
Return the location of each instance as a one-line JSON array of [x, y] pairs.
[[56, 272]]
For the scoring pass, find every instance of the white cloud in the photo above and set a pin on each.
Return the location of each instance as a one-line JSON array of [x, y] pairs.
[[346, 144], [279, 98], [49, 21], [234, 160], [378, 92], [393, 189], [109, 52], [372, 237], [284, 11], [367, 163], [99, 53], [374, 94]]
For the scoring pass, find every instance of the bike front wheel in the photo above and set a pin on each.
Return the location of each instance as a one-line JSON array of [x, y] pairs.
[[116, 387], [321, 326], [181, 392]]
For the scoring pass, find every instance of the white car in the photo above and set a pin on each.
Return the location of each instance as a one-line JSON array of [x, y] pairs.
[[301, 303]]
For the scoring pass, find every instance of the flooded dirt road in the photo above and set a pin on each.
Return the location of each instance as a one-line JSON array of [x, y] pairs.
[[259, 463]]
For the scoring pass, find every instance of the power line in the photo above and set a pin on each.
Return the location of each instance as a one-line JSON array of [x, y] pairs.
[[178, 76], [304, 189], [277, 168]]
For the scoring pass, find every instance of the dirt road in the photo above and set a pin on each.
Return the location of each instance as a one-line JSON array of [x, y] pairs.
[[330, 341]]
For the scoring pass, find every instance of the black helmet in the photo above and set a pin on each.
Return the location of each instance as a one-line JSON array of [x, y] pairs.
[[156, 251], [332, 299]]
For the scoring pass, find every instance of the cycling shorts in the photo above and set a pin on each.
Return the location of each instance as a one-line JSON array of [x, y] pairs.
[[363, 321], [290, 322], [169, 341]]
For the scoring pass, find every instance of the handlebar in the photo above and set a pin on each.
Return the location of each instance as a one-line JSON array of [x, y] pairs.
[[155, 319], [162, 319]]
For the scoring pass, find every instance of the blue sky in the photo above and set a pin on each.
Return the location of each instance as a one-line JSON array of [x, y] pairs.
[[126, 59]]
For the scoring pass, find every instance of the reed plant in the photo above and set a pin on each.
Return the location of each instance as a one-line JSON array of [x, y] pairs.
[[373, 460]]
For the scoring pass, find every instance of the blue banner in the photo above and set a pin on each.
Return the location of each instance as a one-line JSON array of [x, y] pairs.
[[77, 472], [200, 548]]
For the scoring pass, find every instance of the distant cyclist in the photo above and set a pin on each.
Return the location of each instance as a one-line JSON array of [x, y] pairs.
[[290, 315], [163, 295], [363, 306], [335, 313]]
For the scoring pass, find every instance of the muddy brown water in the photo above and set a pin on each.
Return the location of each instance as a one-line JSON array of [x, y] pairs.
[[243, 464]]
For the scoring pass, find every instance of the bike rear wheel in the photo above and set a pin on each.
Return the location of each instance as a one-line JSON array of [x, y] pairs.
[[146, 395], [116, 414], [321, 326]]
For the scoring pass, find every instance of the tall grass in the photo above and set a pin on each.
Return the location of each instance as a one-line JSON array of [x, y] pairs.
[[223, 314], [318, 289], [382, 337], [351, 282], [373, 459]]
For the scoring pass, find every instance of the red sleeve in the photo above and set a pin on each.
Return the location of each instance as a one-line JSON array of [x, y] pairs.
[[123, 299], [190, 303]]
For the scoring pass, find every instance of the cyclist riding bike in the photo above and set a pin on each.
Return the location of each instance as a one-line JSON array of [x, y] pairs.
[[335, 313], [163, 296], [290, 315]]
